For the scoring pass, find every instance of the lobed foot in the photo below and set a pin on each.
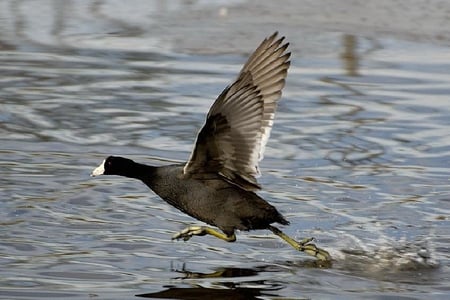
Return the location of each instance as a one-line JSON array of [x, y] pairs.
[[306, 246], [189, 232]]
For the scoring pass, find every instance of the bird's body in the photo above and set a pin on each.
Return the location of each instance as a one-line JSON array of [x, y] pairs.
[[208, 198], [217, 184]]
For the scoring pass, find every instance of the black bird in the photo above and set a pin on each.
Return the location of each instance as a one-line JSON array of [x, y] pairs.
[[217, 184]]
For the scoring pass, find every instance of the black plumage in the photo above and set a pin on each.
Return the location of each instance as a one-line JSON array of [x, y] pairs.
[[217, 184]]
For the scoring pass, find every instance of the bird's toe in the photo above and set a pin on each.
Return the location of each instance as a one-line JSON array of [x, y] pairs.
[[189, 232]]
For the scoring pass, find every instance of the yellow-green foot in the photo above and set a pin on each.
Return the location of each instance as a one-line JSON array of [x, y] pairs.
[[190, 231], [313, 250], [304, 245]]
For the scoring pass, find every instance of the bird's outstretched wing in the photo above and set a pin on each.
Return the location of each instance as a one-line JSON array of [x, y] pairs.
[[233, 139]]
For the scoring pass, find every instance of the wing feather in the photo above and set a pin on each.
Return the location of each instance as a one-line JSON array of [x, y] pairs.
[[238, 124]]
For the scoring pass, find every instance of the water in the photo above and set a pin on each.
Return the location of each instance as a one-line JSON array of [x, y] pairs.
[[358, 158]]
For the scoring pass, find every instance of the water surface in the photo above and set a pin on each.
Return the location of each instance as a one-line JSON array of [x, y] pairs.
[[358, 157]]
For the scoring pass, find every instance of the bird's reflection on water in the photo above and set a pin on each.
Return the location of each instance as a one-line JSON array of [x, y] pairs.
[[225, 289], [199, 292], [218, 273], [398, 262], [228, 272]]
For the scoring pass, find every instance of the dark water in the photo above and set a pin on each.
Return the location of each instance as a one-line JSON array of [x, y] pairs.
[[358, 158]]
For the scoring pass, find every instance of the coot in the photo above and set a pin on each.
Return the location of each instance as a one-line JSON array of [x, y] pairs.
[[217, 184]]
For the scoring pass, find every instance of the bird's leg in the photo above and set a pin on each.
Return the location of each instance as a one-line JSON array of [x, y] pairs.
[[190, 231], [304, 245]]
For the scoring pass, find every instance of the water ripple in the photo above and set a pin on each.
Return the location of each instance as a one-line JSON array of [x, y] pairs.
[[358, 158]]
